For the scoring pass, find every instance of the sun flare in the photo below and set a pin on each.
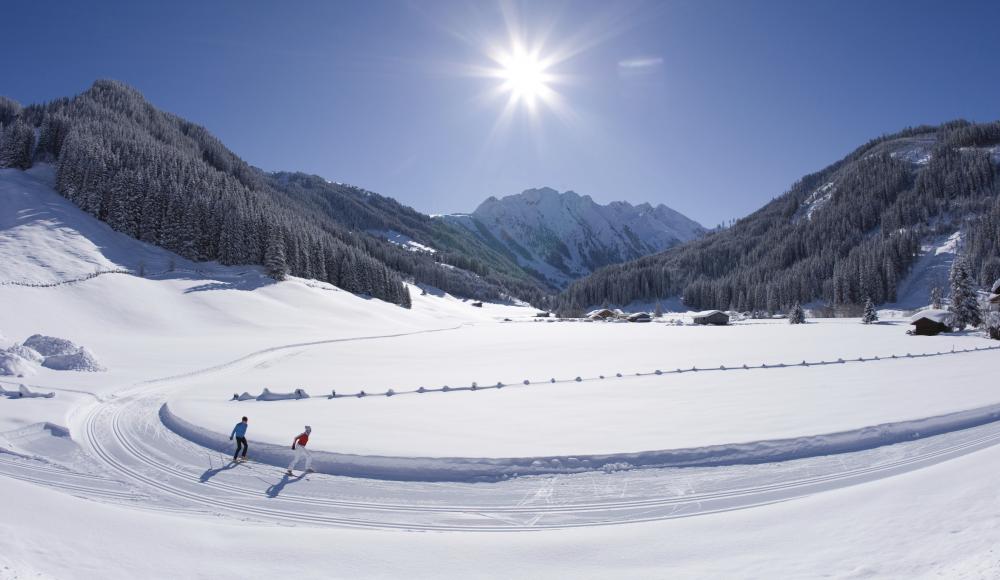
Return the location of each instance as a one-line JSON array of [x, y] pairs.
[[524, 75]]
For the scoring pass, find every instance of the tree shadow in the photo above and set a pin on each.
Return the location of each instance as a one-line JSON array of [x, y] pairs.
[[276, 489], [241, 282], [210, 473]]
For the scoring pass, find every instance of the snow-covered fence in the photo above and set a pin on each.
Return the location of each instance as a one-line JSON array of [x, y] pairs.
[[268, 395], [90, 276], [97, 273], [659, 372]]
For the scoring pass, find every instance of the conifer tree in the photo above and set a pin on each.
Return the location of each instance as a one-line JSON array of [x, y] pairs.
[[964, 304], [274, 257], [936, 298], [797, 315], [870, 315], [991, 318], [16, 145]]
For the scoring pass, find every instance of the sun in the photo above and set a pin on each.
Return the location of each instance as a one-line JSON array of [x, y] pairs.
[[524, 74]]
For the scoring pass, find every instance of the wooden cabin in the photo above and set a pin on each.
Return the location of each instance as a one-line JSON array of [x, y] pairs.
[[714, 317], [640, 317], [601, 314], [931, 322]]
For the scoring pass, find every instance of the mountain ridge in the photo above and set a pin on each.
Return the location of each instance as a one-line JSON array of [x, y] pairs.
[[563, 236]]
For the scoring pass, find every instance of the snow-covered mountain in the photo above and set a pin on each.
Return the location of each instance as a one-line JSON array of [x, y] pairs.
[[563, 236]]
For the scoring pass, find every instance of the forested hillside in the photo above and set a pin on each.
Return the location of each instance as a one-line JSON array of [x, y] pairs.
[[166, 181], [365, 211], [843, 234]]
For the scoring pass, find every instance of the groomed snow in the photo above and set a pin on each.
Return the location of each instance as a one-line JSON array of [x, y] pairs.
[[938, 522]]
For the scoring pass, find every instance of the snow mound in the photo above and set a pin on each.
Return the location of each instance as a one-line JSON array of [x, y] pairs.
[[23, 392], [80, 360], [27, 353], [267, 395], [50, 345], [244, 397], [13, 365]]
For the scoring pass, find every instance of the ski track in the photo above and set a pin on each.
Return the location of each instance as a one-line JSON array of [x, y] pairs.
[[143, 464]]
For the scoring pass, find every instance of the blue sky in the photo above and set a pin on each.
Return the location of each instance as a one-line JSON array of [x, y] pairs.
[[710, 107]]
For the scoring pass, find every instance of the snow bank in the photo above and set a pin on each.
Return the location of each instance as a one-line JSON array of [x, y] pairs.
[[14, 365], [80, 360], [493, 469], [50, 345]]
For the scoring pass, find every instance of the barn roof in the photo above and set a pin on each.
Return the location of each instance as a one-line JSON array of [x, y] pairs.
[[602, 312], [935, 315]]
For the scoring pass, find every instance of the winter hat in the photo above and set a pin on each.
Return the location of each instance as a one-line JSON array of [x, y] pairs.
[[308, 429]]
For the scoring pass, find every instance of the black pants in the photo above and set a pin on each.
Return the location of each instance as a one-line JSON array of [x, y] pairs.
[[241, 442]]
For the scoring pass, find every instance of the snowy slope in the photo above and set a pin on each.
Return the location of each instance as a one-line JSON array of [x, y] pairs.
[[929, 271], [45, 239], [564, 236]]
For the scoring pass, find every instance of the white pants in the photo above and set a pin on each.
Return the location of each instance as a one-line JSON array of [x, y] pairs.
[[301, 452]]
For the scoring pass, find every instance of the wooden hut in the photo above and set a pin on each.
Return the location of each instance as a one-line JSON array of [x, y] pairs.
[[931, 322], [640, 317], [715, 317], [601, 314]]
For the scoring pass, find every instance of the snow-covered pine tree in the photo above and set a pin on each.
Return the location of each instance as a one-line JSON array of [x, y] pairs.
[[964, 304], [870, 315], [16, 145], [9, 110], [796, 315], [405, 300], [658, 310], [991, 311], [936, 298], [54, 129], [274, 257]]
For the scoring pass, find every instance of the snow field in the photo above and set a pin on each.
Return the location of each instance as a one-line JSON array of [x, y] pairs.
[[597, 416]]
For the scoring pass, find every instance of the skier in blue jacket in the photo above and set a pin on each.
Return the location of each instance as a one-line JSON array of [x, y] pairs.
[[240, 432]]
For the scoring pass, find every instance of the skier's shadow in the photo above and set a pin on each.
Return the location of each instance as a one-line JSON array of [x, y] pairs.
[[277, 488], [210, 473]]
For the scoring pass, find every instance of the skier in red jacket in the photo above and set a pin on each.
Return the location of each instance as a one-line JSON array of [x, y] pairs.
[[299, 446]]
